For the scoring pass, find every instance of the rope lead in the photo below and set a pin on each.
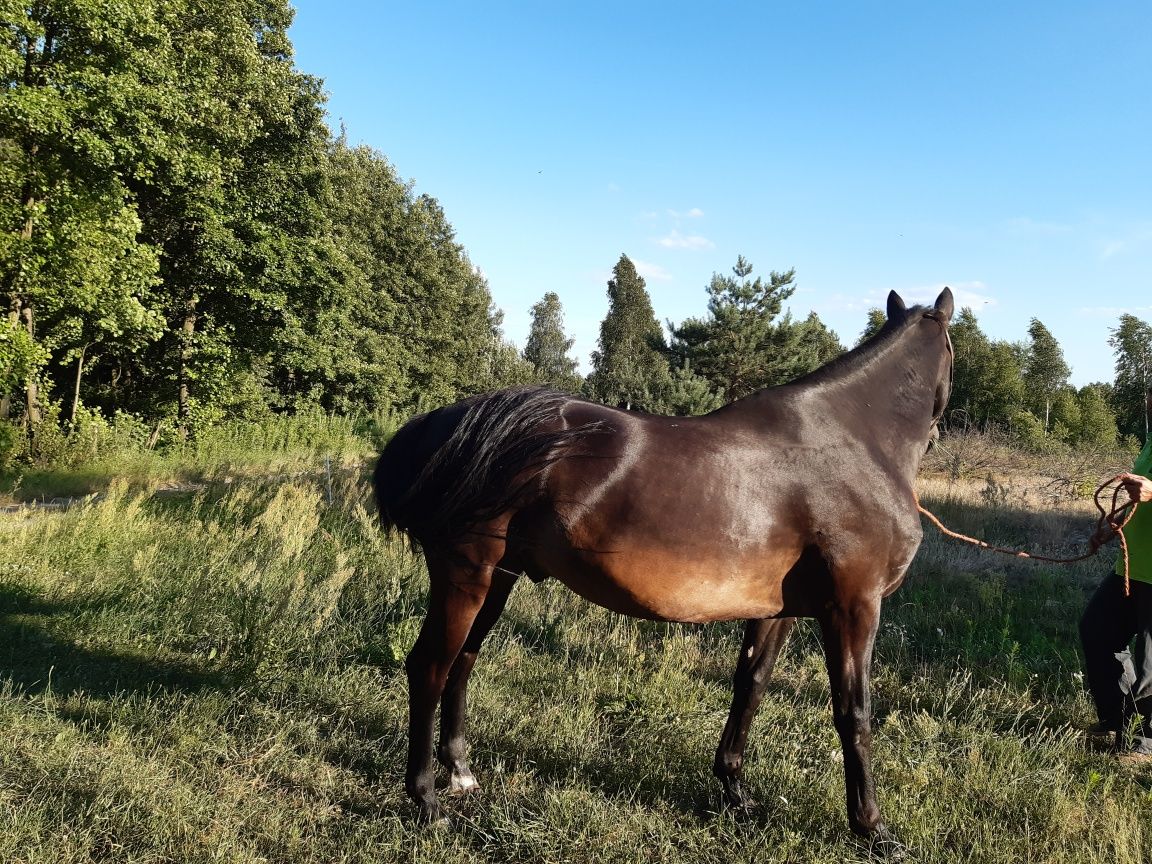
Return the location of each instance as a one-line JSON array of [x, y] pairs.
[[1115, 519]]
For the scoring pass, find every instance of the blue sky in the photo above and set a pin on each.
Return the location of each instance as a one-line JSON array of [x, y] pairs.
[[999, 148]]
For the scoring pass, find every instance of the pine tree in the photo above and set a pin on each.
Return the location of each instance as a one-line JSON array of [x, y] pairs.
[[745, 344], [630, 368], [547, 346]]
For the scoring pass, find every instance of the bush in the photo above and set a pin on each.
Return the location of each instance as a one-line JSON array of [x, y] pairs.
[[13, 444]]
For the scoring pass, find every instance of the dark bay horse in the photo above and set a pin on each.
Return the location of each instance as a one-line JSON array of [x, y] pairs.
[[795, 501]]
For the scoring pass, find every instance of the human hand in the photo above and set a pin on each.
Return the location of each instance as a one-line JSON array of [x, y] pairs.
[[1139, 488]]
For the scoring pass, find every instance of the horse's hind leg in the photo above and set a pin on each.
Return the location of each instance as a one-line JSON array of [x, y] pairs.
[[455, 597], [453, 751], [763, 640]]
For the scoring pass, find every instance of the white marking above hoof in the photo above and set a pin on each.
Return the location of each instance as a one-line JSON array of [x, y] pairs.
[[463, 783]]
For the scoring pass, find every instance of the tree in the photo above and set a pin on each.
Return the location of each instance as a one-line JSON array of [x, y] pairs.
[[629, 368], [688, 394], [876, 321], [1065, 419], [820, 344], [1131, 342], [741, 346], [79, 86], [986, 375], [1045, 373], [1097, 422], [547, 346]]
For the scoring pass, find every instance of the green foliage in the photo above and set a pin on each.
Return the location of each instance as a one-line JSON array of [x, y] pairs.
[[876, 321], [629, 369], [182, 239], [547, 346], [11, 443], [1028, 432], [1097, 426], [689, 394], [987, 386], [1045, 373], [741, 347], [1131, 342]]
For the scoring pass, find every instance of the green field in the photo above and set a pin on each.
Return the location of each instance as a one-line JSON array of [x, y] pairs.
[[216, 675]]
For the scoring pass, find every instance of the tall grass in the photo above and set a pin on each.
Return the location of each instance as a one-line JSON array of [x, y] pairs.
[[218, 677], [86, 457]]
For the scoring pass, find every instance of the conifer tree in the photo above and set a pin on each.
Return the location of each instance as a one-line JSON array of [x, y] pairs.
[[745, 343], [629, 369]]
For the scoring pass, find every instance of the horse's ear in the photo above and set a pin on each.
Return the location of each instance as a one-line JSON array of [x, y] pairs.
[[895, 305], [944, 304]]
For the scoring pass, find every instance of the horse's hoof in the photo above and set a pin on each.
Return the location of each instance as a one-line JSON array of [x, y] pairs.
[[883, 845], [743, 810], [462, 782], [432, 816]]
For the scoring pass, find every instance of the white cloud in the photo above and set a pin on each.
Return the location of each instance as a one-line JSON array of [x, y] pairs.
[[694, 213], [1137, 238], [652, 271], [1111, 248], [675, 240]]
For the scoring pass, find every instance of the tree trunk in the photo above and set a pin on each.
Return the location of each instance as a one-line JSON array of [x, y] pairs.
[[187, 333], [32, 385], [76, 390]]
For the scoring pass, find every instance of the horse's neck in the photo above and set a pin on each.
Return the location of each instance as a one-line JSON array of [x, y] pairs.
[[891, 401], [886, 400]]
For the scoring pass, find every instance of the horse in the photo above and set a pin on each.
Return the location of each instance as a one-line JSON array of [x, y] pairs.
[[795, 501]]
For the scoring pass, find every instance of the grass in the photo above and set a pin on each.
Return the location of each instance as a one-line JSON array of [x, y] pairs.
[[90, 458], [216, 676]]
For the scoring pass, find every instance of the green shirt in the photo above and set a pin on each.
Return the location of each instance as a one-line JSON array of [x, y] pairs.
[[1138, 531]]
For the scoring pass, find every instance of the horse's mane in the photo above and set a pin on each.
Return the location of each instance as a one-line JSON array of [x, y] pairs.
[[882, 343]]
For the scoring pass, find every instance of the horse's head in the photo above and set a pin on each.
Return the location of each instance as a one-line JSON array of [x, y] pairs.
[[939, 314]]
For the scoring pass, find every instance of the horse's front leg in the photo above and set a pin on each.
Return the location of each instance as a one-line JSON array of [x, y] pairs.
[[849, 631], [763, 640]]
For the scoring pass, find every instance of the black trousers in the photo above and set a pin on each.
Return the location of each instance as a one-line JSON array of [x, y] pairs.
[[1116, 634]]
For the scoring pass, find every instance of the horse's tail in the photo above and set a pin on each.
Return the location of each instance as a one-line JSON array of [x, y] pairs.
[[457, 467]]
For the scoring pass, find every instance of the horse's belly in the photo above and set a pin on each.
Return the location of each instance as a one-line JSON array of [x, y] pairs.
[[667, 587]]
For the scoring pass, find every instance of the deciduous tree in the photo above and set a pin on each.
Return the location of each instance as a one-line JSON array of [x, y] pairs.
[[1131, 342], [1045, 373], [548, 346]]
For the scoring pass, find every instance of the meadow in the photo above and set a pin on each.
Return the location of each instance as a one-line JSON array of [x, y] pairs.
[[214, 673]]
